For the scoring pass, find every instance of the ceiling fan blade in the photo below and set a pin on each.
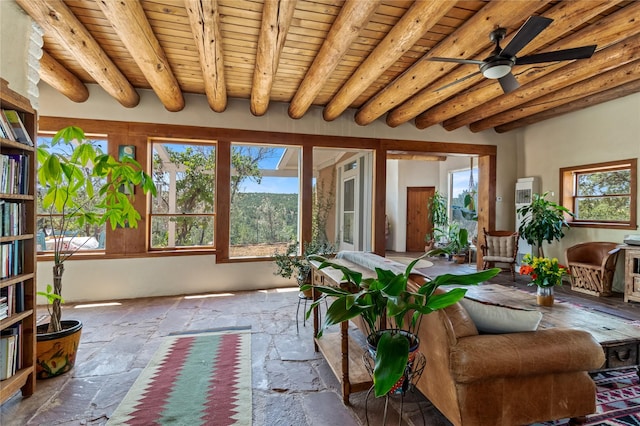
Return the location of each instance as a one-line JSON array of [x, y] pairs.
[[583, 52], [460, 80], [457, 61], [526, 33], [508, 83]]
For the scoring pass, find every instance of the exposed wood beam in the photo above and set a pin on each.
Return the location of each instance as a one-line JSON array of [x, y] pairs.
[[588, 101], [57, 76], [603, 82], [415, 156], [204, 16], [606, 31], [276, 19], [614, 56], [422, 16], [131, 24], [353, 17], [462, 43], [566, 15], [60, 23]]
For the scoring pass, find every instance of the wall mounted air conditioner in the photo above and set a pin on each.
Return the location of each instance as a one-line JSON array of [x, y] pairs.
[[525, 188]]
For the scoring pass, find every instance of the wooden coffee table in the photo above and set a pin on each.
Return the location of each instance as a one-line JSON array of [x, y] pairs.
[[619, 338]]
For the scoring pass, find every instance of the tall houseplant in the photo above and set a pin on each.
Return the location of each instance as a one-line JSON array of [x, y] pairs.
[[542, 220], [386, 296], [70, 199], [437, 216]]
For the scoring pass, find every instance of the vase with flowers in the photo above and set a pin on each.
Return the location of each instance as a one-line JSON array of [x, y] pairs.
[[546, 273]]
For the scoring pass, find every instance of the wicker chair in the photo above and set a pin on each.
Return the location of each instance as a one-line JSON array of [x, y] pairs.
[[592, 266], [500, 247]]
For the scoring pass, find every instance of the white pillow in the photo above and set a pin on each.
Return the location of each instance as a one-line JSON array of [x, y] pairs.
[[497, 319]]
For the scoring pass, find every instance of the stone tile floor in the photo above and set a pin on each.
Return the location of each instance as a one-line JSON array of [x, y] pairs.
[[292, 384]]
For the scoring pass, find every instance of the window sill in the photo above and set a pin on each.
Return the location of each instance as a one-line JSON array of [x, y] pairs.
[[621, 226]]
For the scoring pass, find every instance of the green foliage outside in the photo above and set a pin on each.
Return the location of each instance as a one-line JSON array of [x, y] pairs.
[[604, 196]]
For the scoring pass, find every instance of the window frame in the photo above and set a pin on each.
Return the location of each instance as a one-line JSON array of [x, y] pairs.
[[568, 186]]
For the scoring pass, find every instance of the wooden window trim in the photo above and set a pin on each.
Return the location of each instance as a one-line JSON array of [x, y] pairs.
[[567, 192]]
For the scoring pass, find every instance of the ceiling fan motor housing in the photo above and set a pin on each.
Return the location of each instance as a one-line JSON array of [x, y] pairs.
[[496, 67]]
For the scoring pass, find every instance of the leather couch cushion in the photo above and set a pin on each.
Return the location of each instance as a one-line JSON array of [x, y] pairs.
[[498, 319]]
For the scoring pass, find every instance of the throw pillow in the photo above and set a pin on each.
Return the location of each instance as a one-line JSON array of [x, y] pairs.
[[498, 319]]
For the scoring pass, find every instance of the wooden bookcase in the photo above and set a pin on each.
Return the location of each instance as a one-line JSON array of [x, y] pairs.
[[24, 321]]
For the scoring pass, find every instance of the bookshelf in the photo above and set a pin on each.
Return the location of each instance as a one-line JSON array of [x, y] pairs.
[[17, 248]]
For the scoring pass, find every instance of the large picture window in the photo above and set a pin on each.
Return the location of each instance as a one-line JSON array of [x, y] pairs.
[[86, 237], [601, 195], [183, 212], [265, 199]]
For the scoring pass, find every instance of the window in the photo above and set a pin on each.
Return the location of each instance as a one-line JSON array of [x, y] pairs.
[[182, 213], [265, 199], [601, 195], [463, 197], [86, 237]]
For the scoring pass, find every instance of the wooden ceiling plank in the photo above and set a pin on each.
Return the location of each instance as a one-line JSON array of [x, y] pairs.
[[565, 15], [608, 30], [131, 25], [205, 25], [497, 113], [57, 76], [352, 18], [462, 43], [411, 27], [588, 100], [276, 19], [62, 25]]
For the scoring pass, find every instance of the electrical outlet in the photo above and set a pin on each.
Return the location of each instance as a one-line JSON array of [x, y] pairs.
[[499, 199]]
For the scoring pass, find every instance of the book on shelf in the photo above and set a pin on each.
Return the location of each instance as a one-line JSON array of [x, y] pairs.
[[13, 218], [17, 127], [14, 174], [11, 258], [6, 128], [10, 351]]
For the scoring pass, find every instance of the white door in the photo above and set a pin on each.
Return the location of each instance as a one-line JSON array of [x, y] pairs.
[[349, 219]]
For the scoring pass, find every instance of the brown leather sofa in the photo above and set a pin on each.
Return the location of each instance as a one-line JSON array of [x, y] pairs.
[[592, 265], [505, 379]]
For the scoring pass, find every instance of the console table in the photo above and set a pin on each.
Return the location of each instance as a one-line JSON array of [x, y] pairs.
[[341, 351], [618, 337]]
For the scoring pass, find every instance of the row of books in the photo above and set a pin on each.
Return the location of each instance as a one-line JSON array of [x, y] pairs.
[[10, 351], [11, 300], [12, 127], [11, 258], [14, 174], [13, 218]]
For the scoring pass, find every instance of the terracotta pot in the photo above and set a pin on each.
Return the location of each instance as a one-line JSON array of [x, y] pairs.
[[544, 296], [459, 258], [56, 352]]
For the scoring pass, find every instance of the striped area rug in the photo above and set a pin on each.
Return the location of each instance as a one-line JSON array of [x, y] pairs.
[[193, 379]]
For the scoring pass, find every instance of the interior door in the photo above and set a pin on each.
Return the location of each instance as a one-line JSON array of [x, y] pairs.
[[418, 223], [349, 219]]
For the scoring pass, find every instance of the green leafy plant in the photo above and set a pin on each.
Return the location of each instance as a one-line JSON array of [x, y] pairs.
[[542, 220], [291, 264], [437, 207], [70, 199], [386, 296]]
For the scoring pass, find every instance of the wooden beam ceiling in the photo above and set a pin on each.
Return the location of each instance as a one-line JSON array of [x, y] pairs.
[[365, 58]]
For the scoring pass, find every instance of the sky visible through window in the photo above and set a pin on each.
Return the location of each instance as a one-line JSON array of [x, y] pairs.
[[272, 185]]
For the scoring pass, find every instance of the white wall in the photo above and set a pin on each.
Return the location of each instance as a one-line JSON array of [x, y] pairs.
[[605, 132], [155, 277], [14, 46]]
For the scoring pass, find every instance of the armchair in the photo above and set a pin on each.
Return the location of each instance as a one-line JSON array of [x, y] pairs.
[[500, 247], [592, 265]]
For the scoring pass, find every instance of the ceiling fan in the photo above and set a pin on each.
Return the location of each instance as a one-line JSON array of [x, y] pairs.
[[498, 65]]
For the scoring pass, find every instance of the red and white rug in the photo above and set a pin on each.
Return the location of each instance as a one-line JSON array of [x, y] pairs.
[[193, 379]]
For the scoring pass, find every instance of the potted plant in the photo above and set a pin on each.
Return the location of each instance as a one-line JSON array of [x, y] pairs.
[[291, 264], [385, 299], [542, 220], [545, 273], [437, 217], [457, 244], [79, 187]]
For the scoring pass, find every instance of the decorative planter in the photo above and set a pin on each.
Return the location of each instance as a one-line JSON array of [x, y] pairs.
[[460, 258], [56, 352], [414, 343], [544, 296]]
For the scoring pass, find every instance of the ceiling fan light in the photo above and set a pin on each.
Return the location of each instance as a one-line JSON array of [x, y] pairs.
[[496, 69]]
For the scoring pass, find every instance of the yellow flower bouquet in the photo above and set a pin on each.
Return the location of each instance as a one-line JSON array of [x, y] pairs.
[[544, 272]]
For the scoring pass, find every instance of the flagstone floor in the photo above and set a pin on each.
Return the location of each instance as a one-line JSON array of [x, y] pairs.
[[292, 384]]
